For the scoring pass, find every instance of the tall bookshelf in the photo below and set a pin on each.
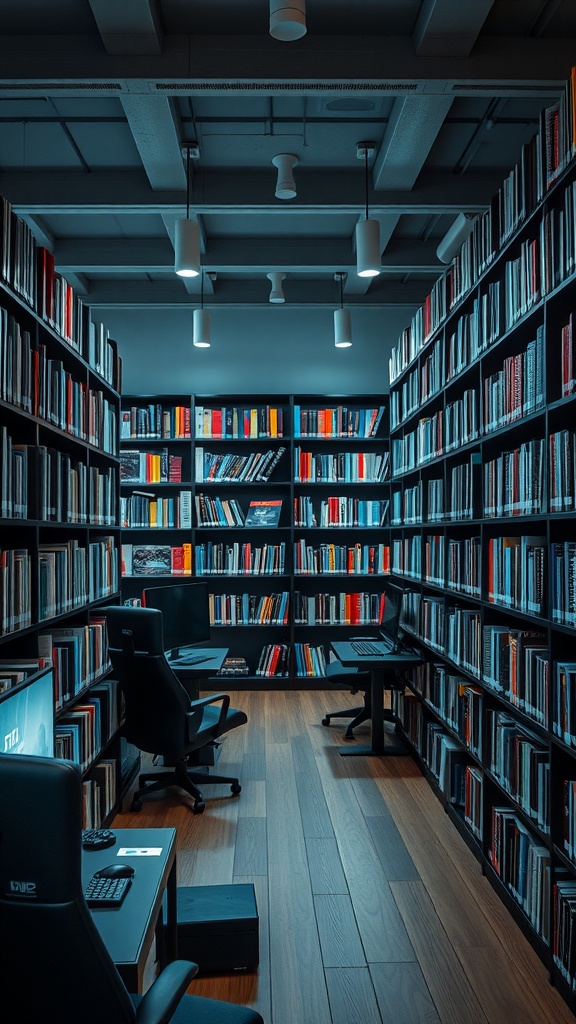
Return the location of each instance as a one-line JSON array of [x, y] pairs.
[[483, 509], [59, 492], [278, 593]]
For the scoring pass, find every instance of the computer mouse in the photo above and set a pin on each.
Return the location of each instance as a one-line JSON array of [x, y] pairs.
[[115, 871]]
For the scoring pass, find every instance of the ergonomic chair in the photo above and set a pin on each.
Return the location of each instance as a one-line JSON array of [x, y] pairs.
[[55, 966], [160, 718], [356, 681]]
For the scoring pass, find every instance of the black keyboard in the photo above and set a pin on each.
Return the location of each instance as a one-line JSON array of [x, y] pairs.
[[97, 838], [191, 659], [367, 647], [106, 892]]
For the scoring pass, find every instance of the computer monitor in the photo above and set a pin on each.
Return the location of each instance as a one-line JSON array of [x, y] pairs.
[[185, 614], [27, 716], [390, 624]]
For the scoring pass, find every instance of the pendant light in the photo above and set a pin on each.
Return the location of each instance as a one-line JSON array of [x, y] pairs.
[[342, 320], [287, 19], [187, 237], [285, 187], [276, 292], [202, 322], [368, 252]]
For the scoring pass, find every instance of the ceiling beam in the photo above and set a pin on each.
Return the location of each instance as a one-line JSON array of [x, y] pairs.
[[126, 192], [235, 255], [243, 294], [129, 27], [324, 63], [449, 27]]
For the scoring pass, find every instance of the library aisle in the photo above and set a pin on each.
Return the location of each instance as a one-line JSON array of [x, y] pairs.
[[372, 908]]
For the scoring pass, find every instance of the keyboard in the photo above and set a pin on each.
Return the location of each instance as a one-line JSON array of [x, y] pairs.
[[191, 659], [368, 647], [97, 838], [106, 892]]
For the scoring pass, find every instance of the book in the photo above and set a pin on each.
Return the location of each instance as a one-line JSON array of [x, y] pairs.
[[263, 513]]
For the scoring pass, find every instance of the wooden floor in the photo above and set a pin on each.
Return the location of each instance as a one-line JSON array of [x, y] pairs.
[[372, 909]]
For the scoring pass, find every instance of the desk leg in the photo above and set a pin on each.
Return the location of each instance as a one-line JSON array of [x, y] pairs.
[[169, 944], [382, 744]]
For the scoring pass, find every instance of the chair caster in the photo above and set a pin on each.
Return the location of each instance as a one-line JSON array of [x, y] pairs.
[[326, 721], [199, 807], [236, 788], [136, 806], [349, 735]]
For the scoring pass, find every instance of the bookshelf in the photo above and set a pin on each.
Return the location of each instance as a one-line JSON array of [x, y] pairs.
[[289, 505], [59, 490], [482, 440]]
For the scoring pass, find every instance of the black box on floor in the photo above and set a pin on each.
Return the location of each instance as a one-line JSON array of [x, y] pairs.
[[218, 926]]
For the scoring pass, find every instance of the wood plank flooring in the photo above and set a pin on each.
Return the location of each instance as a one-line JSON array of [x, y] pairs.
[[372, 909]]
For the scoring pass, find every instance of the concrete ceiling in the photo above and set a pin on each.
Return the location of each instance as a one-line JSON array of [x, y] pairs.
[[97, 98]]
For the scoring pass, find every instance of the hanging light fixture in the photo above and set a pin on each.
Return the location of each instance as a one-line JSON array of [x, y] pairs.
[[368, 252], [202, 322], [285, 187], [187, 237], [276, 293], [342, 320], [287, 19]]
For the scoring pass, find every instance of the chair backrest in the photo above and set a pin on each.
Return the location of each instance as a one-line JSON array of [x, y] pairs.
[[157, 707], [54, 965]]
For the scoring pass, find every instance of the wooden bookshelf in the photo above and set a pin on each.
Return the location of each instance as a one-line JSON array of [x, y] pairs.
[[482, 537], [278, 593], [59, 493]]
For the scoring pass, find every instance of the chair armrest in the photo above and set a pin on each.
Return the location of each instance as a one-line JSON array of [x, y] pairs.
[[213, 699], [159, 1003]]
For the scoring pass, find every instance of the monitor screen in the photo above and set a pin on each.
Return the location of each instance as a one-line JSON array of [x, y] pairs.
[[392, 607], [27, 717], [185, 613]]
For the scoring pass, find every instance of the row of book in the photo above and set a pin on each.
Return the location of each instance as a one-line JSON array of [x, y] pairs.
[[360, 608], [337, 421], [146, 467], [156, 559], [99, 791], [520, 761], [239, 421], [249, 609], [339, 511], [69, 576], [85, 728], [236, 559], [457, 700], [78, 654], [340, 467], [42, 386], [144, 509], [542, 159], [156, 420], [304, 660], [230, 468], [356, 559], [29, 269], [447, 760]]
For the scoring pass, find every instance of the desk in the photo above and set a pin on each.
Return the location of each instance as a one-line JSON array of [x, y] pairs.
[[381, 743], [128, 930], [190, 674]]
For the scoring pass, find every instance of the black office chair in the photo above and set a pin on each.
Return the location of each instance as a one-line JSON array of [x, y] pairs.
[[160, 717], [356, 681], [55, 966]]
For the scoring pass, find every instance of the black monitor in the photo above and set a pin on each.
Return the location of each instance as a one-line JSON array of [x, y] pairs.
[[27, 716], [185, 614], [390, 625]]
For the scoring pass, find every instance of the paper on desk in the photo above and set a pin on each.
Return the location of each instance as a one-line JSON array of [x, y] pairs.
[[140, 851]]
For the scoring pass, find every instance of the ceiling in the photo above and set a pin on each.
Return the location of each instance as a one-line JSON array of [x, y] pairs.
[[97, 98]]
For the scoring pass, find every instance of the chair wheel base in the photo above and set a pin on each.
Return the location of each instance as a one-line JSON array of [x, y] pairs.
[[199, 807], [236, 788], [136, 806], [325, 721]]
